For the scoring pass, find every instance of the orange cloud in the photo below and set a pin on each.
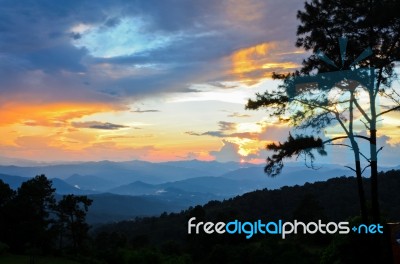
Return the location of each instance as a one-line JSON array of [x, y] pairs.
[[248, 59], [52, 115], [259, 61], [52, 148]]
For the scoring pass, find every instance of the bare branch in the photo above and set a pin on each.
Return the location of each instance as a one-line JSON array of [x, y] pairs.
[[365, 124], [369, 165], [388, 111], [379, 150], [345, 145], [365, 157], [362, 111], [350, 168]]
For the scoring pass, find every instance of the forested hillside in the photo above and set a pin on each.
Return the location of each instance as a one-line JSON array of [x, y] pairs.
[[166, 236]]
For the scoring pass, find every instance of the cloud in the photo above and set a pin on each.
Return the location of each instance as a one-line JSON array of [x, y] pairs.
[[208, 133], [48, 115], [192, 133], [223, 127], [228, 152], [221, 134], [236, 114], [226, 126], [227, 129], [60, 62], [213, 134], [145, 111], [41, 57], [274, 132], [190, 156], [97, 125], [253, 63], [64, 57], [231, 151], [54, 148]]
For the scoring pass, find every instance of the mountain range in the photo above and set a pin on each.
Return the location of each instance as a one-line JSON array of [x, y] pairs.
[[123, 190]]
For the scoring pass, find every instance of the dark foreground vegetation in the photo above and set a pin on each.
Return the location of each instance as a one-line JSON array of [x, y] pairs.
[[35, 227], [34, 223]]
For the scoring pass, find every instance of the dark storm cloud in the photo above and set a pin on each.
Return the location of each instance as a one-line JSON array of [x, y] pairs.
[[54, 59], [38, 57]]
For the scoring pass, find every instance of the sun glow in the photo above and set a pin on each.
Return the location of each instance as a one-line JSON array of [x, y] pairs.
[[248, 127]]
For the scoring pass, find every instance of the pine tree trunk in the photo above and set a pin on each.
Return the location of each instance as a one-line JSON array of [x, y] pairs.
[[374, 179], [356, 151], [374, 157], [361, 193]]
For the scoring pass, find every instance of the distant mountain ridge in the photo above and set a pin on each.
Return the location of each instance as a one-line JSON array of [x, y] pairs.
[[168, 186], [218, 186], [119, 177], [61, 186], [109, 207], [117, 173]]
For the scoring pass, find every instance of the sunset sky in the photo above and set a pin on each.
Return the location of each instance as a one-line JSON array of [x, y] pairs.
[[148, 80]]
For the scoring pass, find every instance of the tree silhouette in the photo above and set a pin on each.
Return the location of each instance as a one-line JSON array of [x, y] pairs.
[[32, 222], [313, 108], [370, 24], [6, 196], [374, 29], [30, 215], [71, 211]]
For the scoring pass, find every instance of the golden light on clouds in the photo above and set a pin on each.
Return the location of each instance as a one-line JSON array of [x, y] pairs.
[[254, 63], [73, 96], [283, 65], [390, 127], [249, 147], [249, 127], [52, 115], [248, 59]]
